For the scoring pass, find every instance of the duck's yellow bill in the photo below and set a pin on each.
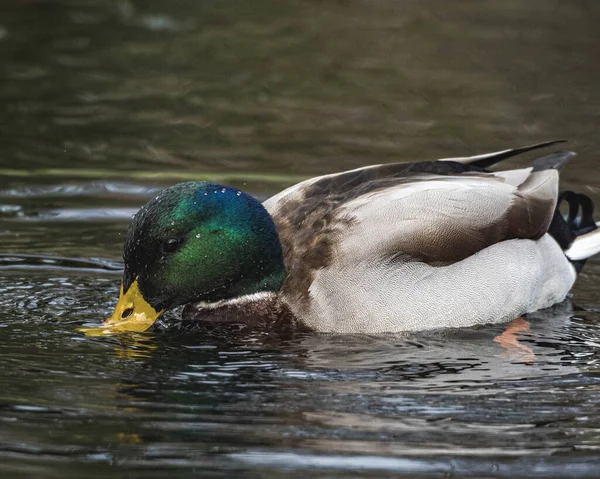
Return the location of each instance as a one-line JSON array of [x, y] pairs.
[[132, 313]]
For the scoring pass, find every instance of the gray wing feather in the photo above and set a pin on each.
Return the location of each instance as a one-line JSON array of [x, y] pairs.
[[446, 219]]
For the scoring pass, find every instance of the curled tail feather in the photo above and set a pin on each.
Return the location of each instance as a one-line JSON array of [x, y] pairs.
[[577, 233]]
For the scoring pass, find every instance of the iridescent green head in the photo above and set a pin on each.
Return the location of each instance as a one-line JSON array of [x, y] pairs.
[[197, 241]]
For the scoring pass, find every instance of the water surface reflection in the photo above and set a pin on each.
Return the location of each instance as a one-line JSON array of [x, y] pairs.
[[106, 102]]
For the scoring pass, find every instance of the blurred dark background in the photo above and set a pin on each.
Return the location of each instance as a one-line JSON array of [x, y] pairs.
[[281, 90]]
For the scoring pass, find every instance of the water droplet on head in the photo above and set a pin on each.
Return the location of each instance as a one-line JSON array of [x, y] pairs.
[[198, 235], [172, 223], [239, 193], [223, 190]]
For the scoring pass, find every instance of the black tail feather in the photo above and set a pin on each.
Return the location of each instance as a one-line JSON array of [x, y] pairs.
[[492, 160]]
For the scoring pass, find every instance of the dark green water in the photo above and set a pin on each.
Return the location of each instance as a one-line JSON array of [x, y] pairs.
[[106, 101]]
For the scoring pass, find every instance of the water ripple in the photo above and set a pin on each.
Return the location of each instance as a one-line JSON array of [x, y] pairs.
[[44, 262], [83, 189]]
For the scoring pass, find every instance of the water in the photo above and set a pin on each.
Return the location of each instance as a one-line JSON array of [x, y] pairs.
[[106, 102]]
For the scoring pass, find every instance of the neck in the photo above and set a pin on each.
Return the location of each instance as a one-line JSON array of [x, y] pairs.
[[239, 301], [256, 310], [270, 283]]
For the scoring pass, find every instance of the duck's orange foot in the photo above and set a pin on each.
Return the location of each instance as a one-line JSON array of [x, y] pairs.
[[515, 351]]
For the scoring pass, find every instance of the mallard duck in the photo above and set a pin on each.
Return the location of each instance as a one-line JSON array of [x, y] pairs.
[[385, 248]]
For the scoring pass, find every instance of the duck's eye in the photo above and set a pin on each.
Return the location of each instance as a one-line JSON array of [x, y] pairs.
[[170, 245]]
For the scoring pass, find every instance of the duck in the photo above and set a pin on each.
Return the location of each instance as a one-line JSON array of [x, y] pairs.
[[386, 248]]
